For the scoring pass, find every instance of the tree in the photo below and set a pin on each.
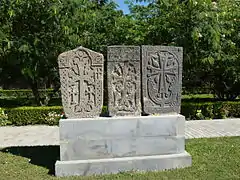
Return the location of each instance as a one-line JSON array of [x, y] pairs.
[[207, 30], [35, 32], [226, 65], [100, 3], [32, 37]]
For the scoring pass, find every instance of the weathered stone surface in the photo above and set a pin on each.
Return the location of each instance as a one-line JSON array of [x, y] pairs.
[[117, 165], [80, 149], [97, 138], [81, 77], [161, 79], [120, 127], [123, 71]]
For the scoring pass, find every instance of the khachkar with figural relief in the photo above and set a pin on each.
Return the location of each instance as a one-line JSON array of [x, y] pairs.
[[81, 77], [123, 72], [161, 79]]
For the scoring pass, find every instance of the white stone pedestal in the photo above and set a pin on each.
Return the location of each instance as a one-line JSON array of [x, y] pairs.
[[115, 144]]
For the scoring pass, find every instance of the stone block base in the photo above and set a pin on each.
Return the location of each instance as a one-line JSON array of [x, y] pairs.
[[110, 145], [116, 165]]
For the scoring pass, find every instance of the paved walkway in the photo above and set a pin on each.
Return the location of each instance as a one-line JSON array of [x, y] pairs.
[[212, 128], [49, 135]]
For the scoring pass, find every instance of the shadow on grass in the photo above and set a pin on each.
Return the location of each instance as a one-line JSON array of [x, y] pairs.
[[44, 156]]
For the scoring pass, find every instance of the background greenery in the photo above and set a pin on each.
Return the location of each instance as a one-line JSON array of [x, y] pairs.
[[193, 107], [33, 33]]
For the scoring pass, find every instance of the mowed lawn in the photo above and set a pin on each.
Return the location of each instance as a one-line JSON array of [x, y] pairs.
[[216, 158]]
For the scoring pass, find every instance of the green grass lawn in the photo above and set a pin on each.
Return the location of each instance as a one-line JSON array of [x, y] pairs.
[[216, 158]]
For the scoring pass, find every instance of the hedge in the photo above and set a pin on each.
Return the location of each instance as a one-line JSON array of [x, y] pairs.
[[26, 93], [17, 102], [210, 110], [17, 99], [195, 90], [24, 97], [191, 110], [34, 115]]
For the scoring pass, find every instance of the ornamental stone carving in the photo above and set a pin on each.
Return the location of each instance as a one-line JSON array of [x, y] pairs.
[[123, 72], [81, 77], [161, 79]]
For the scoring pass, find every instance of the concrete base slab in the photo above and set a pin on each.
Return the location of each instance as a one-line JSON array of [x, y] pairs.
[[99, 138], [116, 165], [110, 145]]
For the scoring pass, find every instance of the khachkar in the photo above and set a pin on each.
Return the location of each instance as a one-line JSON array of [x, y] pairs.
[[106, 145], [161, 79], [81, 77], [123, 75]]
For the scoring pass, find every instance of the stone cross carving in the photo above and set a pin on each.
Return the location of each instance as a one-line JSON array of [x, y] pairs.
[[81, 77], [161, 79], [123, 72]]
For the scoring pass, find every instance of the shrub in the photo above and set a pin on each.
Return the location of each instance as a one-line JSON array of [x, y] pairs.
[[4, 118], [210, 110], [17, 102], [233, 109], [51, 115], [34, 115], [191, 110], [189, 90], [26, 93], [24, 97], [52, 118]]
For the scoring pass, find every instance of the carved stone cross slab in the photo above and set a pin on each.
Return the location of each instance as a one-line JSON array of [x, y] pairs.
[[123, 72], [161, 79], [81, 77]]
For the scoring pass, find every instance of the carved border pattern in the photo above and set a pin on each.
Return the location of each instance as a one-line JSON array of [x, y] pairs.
[[162, 76], [124, 82], [81, 76]]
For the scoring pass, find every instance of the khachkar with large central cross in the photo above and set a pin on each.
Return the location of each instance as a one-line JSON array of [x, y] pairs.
[[161, 79], [81, 76]]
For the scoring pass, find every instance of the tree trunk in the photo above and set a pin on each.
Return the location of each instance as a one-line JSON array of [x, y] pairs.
[[36, 94]]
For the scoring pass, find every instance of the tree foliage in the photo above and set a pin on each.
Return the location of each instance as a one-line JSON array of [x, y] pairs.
[[33, 33], [33, 37], [209, 33]]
